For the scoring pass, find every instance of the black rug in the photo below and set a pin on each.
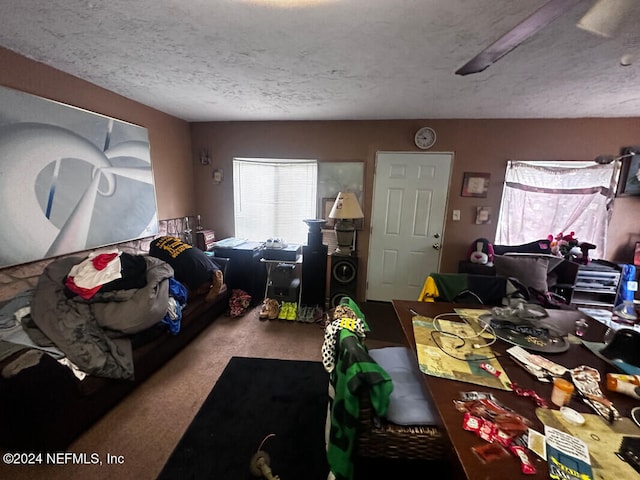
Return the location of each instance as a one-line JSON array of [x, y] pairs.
[[252, 399]]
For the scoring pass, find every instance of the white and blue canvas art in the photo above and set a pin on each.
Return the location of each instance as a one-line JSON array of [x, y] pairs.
[[70, 180]]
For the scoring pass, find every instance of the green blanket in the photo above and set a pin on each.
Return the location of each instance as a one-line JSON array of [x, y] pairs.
[[355, 370]]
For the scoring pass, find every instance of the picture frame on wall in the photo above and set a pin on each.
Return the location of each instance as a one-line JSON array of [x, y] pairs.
[[636, 255], [483, 215], [71, 180], [335, 177], [629, 183], [475, 184], [327, 205]]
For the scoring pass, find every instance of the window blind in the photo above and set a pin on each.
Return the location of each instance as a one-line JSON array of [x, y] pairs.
[[272, 197]]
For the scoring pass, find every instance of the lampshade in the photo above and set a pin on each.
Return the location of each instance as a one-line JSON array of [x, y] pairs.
[[346, 206], [606, 17], [345, 209]]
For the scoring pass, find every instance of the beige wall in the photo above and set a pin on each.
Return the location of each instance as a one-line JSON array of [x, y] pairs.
[[169, 137], [478, 146], [184, 187]]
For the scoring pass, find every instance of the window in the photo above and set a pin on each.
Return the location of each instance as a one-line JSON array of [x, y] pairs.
[[272, 197], [546, 198]]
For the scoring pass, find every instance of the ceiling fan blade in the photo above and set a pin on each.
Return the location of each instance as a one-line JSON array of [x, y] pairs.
[[606, 16], [514, 37]]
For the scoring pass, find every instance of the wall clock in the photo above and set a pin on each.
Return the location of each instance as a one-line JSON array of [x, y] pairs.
[[425, 138]]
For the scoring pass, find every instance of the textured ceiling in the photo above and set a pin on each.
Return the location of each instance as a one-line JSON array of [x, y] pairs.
[[204, 60]]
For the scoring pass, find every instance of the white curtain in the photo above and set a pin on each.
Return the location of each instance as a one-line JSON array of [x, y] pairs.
[[540, 200]]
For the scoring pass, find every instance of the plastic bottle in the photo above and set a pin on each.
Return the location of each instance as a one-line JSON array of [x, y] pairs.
[[626, 388], [622, 377], [625, 312], [562, 391]]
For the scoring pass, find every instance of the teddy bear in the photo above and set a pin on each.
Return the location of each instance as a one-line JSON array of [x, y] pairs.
[[481, 252]]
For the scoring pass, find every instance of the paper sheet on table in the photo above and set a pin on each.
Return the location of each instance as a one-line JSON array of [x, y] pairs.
[[447, 356], [601, 439], [567, 456]]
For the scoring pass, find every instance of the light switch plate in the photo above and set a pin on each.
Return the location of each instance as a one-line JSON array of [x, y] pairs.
[[456, 215]]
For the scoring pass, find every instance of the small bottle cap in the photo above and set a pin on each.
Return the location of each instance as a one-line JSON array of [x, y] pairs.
[[563, 385], [571, 416]]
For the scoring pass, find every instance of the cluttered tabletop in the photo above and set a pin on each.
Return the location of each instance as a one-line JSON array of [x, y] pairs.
[[523, 390]]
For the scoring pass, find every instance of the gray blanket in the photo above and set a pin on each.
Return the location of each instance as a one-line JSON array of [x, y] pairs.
[[87, 330]]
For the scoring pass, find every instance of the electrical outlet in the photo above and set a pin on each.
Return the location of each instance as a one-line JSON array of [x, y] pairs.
[[456, 215]]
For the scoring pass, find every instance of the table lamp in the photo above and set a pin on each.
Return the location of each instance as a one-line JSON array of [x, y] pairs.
[[345, 209]]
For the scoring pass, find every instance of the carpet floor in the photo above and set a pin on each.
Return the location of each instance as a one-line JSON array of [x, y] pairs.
[[145, 427], [282, 403]]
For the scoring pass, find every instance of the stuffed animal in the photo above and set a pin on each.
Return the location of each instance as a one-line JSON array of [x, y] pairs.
[[481, 252]]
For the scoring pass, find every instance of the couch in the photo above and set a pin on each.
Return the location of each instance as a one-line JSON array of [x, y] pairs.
[[44, 406], [549, 279]]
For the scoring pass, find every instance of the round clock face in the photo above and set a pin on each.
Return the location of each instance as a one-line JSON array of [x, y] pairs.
[[425, 138]]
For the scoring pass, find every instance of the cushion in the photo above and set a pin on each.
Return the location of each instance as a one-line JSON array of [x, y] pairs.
[[529, 271], [192, 267], [539, 246], [408, 404]]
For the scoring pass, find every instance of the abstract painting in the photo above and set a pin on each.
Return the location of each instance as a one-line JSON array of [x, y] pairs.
[[70, 180]]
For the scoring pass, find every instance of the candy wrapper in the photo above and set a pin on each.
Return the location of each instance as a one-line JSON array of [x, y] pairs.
[[525, 463], [490, 409], [472, 423], [470, 396], [490, 369], [500, 427], [489, 452], [488, 431], [587, 383], [522, 392]]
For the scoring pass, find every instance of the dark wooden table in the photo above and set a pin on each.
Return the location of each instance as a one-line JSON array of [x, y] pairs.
[[444, 391]]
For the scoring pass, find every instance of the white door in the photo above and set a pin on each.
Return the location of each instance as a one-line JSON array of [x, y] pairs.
[[409, 206]]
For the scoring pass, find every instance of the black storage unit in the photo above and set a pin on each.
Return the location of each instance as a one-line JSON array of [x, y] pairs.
[[314, 266], [314, 274], [245, 270], [284, 285]]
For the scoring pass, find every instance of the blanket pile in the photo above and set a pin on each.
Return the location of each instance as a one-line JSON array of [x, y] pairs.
[[92, 330]]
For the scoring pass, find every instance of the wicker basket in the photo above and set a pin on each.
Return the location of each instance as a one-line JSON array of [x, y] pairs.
[[379, 438]]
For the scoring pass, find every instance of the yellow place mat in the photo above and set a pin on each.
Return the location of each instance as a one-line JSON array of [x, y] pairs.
[[602, 439], [454, 357]]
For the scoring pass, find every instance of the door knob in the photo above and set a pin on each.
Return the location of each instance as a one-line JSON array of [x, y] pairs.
[[436, 235], [436, 246]]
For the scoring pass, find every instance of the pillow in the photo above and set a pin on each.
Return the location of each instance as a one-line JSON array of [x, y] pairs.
[[529, 271], [539, 246], [407, 404], [192, 267]]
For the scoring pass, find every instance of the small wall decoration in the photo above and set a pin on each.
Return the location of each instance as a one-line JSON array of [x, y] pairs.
[[630, 176], [483, 215], [636, 255], [217, 175], [475, 184]]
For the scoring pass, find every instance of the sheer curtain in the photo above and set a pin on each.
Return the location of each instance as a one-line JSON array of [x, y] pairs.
[[272, 197], [539, 200]]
